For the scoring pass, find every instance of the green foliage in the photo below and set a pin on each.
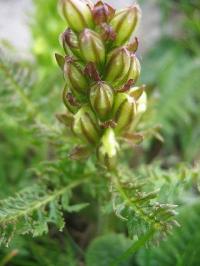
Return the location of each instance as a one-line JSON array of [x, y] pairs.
[[56, 187], [42, 251], [45, 34], [104, 250], [182, 247], [176, 78], [30, 210], [175, 183], [190, 25], [135, 201]]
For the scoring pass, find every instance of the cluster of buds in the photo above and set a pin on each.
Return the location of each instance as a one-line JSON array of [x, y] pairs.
[[101, 69]]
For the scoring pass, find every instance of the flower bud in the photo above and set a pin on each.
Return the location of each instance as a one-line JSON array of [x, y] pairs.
[[140, 97], [70, 101], [102, 12], [75, 78], [124, 111], [125, 22], [85, 125], [107, 33], [92, 47], [142, 103], [108, 149], [101, 99], [70, 43], [117, 67], [77, 13], [134, 70]]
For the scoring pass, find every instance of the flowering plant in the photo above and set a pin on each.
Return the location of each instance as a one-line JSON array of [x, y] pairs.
[[101, 68]]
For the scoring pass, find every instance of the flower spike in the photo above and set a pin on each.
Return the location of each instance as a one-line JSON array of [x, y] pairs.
[[101, 69]]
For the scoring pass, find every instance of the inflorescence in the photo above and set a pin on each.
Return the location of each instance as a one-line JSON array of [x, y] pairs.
[[101, 69]]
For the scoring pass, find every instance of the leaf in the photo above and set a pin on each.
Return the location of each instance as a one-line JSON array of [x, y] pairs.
[[77, 207], [30, 211], [182, 247], [105, 249]]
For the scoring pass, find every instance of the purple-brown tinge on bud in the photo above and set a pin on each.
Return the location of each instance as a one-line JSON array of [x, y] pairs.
[[92, 72], [127, 86], [69, 38], [70, 43], [102, 12], [133, 45], [69, 100], [107, 32]]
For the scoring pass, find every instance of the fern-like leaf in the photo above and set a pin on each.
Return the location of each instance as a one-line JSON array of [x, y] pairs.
[[182, 247], [30, 210]]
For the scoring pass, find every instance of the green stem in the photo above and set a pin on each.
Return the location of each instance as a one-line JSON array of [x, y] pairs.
[[74, 245], [134, 248], [8, 257]]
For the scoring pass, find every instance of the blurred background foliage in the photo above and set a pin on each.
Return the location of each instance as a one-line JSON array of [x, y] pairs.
[[30, 93]]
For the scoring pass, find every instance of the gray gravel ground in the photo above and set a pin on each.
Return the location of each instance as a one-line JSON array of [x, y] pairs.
[[14, 21]]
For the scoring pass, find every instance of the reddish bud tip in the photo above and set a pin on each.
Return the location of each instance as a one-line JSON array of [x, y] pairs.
[[102, 12], [91, 71], [107, 32], [133, 46], [127, 86]]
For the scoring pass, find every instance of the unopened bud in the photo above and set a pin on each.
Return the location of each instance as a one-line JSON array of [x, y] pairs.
[[117, 67], [85, 125], [70, 43], [134, 70], [125, 22], [60, 60], [107, 152], [75, 77], [92, 47], [140, 96], [102, 12], [77, 13], [124, 111], [107, 33], [101, 99], [70, 101]]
